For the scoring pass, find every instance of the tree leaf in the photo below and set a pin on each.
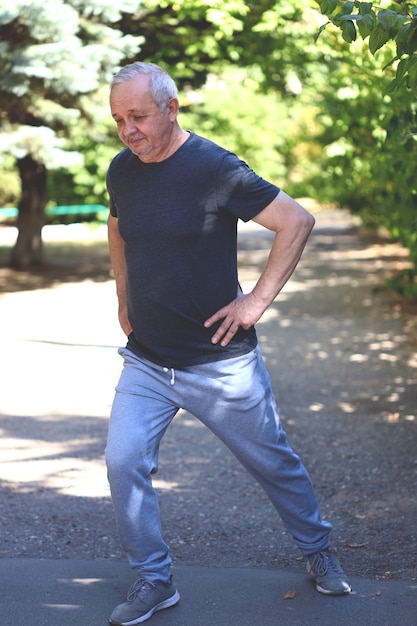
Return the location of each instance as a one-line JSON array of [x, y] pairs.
[[319, 32], [366, 25], [378, 37], [402, 68], [349, 31], [365, 8], [290, 595]]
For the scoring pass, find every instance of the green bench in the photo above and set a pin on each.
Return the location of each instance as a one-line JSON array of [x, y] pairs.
[[97, 210]]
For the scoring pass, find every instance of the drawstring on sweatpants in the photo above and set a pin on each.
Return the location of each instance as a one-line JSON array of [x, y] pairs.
[[166, 369]]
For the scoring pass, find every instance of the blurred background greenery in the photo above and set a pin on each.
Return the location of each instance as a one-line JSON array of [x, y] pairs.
[[318, 97]]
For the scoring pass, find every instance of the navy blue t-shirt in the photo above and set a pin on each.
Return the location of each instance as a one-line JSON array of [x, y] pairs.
[[178, 219]]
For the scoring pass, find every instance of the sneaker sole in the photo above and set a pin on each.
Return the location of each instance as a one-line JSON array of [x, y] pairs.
[[165, 604], [342, 592]]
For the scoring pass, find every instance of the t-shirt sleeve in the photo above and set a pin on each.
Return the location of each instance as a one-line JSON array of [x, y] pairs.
[[241, 191]]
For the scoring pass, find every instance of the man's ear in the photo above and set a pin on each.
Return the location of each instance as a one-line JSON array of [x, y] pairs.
[[173, 107]]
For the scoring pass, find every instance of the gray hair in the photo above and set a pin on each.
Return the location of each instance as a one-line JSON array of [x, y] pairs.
[[161, 86]]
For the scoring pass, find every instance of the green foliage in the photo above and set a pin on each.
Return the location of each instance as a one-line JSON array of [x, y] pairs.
[[395, 200], [194, 37], [55, 54], [322, 110], [189, 37], [403, 283], [374, 169], [397, 23]]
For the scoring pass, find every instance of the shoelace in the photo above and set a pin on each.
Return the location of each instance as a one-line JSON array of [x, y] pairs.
[[138, 587], [320, 563]]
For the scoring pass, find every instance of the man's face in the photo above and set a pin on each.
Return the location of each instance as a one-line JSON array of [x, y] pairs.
[[140, 124]]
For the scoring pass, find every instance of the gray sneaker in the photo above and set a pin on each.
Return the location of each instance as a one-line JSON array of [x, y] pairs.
[[143, 600], [326, 569]]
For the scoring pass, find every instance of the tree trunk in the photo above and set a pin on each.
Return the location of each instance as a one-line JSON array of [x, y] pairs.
[[28, 251]]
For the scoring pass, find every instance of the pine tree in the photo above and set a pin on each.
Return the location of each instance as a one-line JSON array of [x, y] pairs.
[[55, 56]]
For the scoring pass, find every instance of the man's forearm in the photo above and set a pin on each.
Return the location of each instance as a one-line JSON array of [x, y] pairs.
[[118, 262], [284, 255], [117, 257]]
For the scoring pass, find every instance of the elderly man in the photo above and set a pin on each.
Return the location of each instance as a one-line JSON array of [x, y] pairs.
[[175, 199]]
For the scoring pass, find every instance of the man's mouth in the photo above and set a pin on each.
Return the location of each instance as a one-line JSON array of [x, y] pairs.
[[133, 140]]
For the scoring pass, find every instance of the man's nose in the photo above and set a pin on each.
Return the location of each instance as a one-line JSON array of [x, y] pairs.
[[130, 128]]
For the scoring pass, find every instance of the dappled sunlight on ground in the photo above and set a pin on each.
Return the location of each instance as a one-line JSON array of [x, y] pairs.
[[61, 452], [339, 324]]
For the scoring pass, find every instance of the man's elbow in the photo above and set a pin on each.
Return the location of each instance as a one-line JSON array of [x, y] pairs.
[[310, 221], [304, 221]]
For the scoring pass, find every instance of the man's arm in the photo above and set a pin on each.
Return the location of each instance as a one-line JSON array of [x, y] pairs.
[[292, 226], [118, 261]]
